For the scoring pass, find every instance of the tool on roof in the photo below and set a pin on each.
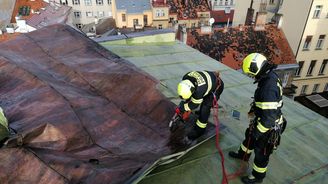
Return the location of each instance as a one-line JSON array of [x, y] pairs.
[[177, 118]]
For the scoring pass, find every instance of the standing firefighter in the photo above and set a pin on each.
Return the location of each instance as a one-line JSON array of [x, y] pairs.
[[267, 124], [199, 88]]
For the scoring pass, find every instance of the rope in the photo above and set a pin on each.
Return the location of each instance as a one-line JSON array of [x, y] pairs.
[[217, 130], [217, 144]]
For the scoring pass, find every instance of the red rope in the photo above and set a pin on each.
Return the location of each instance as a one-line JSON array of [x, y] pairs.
[[217, 144], [217, 123]]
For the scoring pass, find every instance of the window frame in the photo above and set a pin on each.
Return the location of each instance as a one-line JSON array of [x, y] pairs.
[[79, 14], [311, 67], [88, 2], [307, 42], [317, 11], [326, 87], [87, 14], [304, 89], [76, 2], [315, 88], [323, 67], [123, 17], [100, 2], [320, 42], [299, 70]]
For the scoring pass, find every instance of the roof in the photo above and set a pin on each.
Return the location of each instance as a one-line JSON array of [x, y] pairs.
[[52, 14], [7, 36], [187, 9], [81, 113], [301, 157], [317, 102], [159, 3], [35, 5], [135, 34], [133, 6], [6, 10], [232, 46], [104, 25], [222, 17]]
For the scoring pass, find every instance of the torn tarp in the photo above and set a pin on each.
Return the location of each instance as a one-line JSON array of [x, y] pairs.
[[81, 113]]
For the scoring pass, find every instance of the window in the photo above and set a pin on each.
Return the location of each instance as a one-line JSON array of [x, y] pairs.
[[79, 26], [285, 80], [317, 11], [160, 26], [231, 2], [145, 19], [320, 41], [77, 14], [135, 22], [272, 2], [323, 67], [109, 1], [99, 2], [88, 13], [298, 71], [63, 2], [226, 2], [101, 13], [307, 43], [304, 88], [158, 13], [309, 72], [87, 2], [326, 87], [162, 13], [221, 2], [123, 18], [75, 2], [315, 88], [193, 24]]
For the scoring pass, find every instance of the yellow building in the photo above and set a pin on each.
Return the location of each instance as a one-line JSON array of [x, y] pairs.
[[160, 10], [132, 13]]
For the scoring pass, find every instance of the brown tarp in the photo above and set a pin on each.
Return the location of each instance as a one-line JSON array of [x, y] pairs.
[[81, 113]]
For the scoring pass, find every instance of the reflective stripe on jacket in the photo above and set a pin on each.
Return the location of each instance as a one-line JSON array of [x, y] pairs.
[[205, 82], [268, 102]]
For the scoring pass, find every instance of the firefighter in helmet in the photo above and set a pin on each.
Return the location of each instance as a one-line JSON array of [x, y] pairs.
[[199, 88], [267, 122]]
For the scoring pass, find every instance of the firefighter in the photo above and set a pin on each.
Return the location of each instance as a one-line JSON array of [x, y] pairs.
[[198, 88], [267, 122]]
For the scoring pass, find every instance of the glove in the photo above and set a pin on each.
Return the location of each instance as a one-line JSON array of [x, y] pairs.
[[185, 115]]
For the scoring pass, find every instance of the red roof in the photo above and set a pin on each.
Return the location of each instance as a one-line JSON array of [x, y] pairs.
[[221, 16], [232, 46], [35, 5]]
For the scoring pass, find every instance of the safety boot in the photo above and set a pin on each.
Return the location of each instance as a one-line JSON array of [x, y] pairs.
[[239, 155], [195, 132], [251, 179]]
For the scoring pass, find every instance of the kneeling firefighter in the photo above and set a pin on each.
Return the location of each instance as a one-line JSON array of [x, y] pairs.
[[267, 124], [199, 88]]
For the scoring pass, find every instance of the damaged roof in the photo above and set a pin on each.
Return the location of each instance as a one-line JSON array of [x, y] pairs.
[[231, 46], [82, 114], [301, 157]]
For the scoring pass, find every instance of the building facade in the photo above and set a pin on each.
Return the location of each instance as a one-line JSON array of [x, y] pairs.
[[160, 10], [87, 11], [306, 31], [132, 13]]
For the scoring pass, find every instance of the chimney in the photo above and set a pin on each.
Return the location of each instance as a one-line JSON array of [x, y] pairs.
[[249, 15], [260, 20]]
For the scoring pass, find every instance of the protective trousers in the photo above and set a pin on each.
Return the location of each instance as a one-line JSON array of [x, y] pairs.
[[261, 149]]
